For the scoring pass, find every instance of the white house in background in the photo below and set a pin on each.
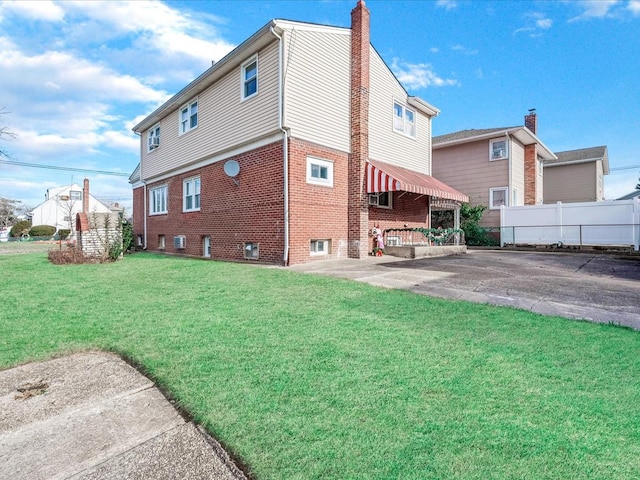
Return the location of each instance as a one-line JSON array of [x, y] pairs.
[[62, 204]]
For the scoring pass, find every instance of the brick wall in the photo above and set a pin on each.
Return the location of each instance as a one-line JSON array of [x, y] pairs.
[[409, 211], [316, 212], [530, 174], [252, 211]]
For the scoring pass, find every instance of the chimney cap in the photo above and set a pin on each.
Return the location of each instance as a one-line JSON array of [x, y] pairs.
[[532, 111]]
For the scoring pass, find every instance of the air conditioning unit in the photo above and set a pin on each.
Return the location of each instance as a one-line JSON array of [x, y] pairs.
[[498, 154], [180, 242], [155, 141], [373, 199]]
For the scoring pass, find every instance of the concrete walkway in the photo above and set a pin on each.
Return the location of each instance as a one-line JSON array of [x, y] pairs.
[[596, 287], [92, 416]]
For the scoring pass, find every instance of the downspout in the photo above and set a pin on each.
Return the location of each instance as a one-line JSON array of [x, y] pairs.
[[285, 146], [144, 200], [509, 191]]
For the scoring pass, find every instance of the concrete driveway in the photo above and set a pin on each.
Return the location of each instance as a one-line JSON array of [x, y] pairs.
[[596, 287]]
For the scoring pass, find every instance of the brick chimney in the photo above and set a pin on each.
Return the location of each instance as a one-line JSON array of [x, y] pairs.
[[358, 210], [531, 162], [85, 196]]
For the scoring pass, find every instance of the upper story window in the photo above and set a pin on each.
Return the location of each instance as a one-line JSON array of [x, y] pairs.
[[319, 172], [158, 200], [498, 150], [404, 120], [153, 138], [249, 78], [188, 116], [191, 194], [75, 195]]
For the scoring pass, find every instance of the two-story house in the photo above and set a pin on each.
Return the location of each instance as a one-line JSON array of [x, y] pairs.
[[289, 149], [576, 175], [494, 166]]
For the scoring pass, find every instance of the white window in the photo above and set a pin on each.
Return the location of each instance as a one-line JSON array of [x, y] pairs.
[[153, 138], [188, 117], [75, 195], [498, 150], [404, 120], [498, 197], [250, 78], [251, 250], [191, 194], [158, 200], [319, 172], [319, 247], [381, 200]]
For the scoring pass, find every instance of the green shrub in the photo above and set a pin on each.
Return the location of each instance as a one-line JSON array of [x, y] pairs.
[[20, 228], [127, 236], [42, 231], [63, 233]]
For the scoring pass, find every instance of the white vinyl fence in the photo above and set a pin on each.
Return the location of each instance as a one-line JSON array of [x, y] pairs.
[[608, 223]]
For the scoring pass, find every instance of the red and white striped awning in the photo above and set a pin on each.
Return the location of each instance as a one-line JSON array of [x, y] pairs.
[[383, 177]]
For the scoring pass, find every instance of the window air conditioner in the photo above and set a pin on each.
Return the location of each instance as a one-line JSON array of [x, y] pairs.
[[180, 242], [498, 154], [373, 199], [155, 141]]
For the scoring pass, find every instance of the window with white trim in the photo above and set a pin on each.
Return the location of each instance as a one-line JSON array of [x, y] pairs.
[[250, 78], [158, 200], [404, 120], [498, 149], [319, 172], [188, 117], [75, 195], [319, 247], [381, 200], [498, 197], [191, 194], [153, 138]]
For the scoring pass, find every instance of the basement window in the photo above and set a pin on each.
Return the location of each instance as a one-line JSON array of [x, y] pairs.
[[319, 247], [251, 250]]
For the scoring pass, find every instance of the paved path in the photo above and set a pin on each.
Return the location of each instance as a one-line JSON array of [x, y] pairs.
[[92, 416], [596, 287]]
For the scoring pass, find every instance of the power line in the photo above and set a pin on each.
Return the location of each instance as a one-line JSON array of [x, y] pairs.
[[631, 167], [69, 169]]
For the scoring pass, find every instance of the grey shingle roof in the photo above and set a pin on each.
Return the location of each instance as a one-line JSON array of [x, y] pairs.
[[591, 153], [462, 134], [582, 155]]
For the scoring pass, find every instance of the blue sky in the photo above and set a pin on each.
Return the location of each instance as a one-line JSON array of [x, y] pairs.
[[76, 76]]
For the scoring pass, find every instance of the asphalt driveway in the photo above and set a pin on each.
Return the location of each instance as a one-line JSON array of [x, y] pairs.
[[596, 287]]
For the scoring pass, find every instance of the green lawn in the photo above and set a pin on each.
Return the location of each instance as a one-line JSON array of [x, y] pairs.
[[308, 377]]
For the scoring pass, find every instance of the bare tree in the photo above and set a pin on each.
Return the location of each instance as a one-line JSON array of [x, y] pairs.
[[5, 133]]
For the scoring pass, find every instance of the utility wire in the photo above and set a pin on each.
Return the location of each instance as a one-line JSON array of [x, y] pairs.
[[630, 167], [69, 169]]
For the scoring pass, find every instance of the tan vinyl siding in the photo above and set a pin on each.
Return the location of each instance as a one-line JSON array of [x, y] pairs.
[[517, 171], [570, 183], [317, 87], [467, 168], [385, 144], [224, 120]]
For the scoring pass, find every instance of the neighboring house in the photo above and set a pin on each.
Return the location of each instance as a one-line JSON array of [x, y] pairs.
[[291, 148], [494, 166], [576, 175], [629, 196], [62, 204]]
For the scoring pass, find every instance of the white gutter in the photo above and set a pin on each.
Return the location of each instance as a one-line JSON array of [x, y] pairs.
[[285, 146], [144, 201]]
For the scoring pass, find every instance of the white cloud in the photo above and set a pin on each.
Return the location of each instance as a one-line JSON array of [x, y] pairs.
[[465, 50], [447, 4], [595, 9], [536, 23], [634, 7], [420, 75], [44, 10]]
